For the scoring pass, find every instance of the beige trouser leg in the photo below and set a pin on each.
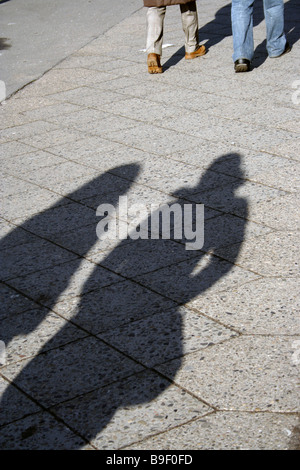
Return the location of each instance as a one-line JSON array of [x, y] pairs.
[[155, 27], [189, 18]]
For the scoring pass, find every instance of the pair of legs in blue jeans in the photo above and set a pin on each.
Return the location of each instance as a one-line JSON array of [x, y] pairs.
[[242, 28]]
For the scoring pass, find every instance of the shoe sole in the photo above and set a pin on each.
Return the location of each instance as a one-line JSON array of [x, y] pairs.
[[154, 69], [241, 68]]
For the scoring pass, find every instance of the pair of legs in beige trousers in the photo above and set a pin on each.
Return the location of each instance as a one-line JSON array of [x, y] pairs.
[[155, 30]]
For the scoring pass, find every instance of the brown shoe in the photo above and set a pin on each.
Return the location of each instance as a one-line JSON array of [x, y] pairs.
[[197, 53], [153, 62]]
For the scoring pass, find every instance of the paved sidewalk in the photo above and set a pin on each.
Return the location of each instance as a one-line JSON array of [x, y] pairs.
[[53, 30], [143, 344]]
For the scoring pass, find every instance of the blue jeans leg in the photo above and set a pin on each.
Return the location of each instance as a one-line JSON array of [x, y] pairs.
[[274, 16], [242, 29]]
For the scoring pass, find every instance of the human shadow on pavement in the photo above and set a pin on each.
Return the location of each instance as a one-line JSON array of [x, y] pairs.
[[131, 324]]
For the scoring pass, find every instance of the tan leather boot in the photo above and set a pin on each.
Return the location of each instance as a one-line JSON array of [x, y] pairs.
[[192, 55], [153, 62]]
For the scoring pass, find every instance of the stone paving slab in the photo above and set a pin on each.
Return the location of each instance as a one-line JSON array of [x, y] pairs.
[[49, 326], [42, 285], [30, 257], [263, 306], [13, 302], [26, 130], [180, 282], [197, 332], [71, 378], [39, 430], [226, 431], [12, 237], [280, 259], [112, 306], [126, 424], [26, 406], [137, 343], [19, 207], [29, 163], [248, 366]]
